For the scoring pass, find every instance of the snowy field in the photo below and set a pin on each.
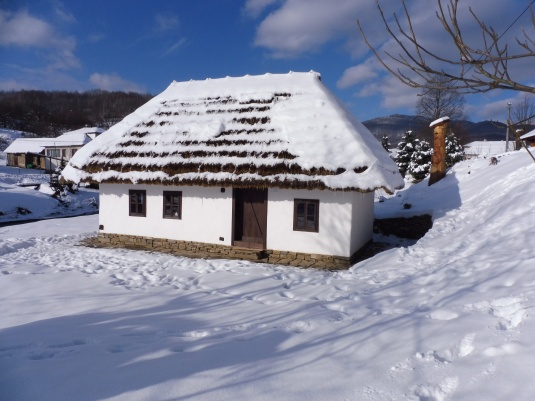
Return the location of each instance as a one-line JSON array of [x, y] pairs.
[[449, 318]]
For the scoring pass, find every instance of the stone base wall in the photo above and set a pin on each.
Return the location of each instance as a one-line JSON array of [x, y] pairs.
[[215, 251]]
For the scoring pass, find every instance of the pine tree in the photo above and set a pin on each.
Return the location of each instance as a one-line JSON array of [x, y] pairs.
[[406, 147], [454, 150], [386, 143], [420, 163]]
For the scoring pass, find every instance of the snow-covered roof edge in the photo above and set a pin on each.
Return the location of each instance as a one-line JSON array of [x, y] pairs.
[[528, 135]]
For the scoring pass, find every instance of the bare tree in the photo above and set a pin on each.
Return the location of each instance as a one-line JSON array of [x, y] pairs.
[[524, 111], [473, 70], [439, 102], [523, 117]]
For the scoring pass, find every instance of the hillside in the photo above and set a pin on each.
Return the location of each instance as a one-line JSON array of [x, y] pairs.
[[395, 125], [447, 318], [49, 113]]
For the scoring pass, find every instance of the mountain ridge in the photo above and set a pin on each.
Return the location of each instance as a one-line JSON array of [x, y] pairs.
[[395, 125]]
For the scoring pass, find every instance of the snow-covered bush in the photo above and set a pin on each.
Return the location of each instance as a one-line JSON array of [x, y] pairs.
[[420, 162], [406, 147], [454, 150]]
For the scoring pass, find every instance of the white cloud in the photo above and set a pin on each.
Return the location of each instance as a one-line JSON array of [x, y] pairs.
[[253, 8], [62, 13], [96, 37], [296, 28], [24, 30], [301, 26], [175, 46], [113, 82], [166, 22], [356, 74], [393, 93]]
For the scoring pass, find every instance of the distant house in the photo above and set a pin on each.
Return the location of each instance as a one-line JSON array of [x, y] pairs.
[[269, 167], [529, 138], [48, 153]]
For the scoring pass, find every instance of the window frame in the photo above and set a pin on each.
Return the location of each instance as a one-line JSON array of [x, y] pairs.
[[316, 203], [165, 203], [53, 152], [143, 203]]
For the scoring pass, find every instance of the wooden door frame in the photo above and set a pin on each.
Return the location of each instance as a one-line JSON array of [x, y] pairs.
[[233, 226]]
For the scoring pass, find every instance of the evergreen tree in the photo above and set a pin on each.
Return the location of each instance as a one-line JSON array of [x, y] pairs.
[[406, 147], [386, 143], [420, 162], [454, 150]]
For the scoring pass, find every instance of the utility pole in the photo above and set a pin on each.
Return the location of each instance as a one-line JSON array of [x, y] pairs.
[[508, 124]]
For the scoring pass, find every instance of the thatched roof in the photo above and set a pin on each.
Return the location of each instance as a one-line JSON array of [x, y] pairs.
[[285, 131]]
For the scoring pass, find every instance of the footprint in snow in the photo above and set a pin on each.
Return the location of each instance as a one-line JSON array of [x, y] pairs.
[[287, 294], [300, 327], [439, 392], [443, 314], [460, 350], [505, 349]]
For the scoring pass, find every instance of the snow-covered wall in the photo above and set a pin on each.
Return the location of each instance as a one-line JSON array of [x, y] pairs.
[[206, 213], [337, 235]]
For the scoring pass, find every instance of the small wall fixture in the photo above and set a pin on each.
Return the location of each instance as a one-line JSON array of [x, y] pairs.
[[221, 238], [222, 189], [101, 227]]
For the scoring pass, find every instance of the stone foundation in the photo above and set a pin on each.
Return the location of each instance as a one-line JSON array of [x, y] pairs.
[[215, 251]]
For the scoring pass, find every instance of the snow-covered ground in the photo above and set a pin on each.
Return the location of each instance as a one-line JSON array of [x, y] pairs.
[[487, 148], [21, 200], [449, 318]]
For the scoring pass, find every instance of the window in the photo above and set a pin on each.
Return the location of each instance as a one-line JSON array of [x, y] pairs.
[[52, 152], [172, 205], [138, 202], [306, 215]]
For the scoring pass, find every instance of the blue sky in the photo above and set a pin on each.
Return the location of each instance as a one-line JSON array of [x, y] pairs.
[[143, 45]]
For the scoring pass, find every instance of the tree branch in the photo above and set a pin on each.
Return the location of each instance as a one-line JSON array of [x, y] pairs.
[[479, 69]]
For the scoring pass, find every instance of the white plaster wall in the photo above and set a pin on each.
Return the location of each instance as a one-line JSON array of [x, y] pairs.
[[336, 232], [362, 226], [206, 213]]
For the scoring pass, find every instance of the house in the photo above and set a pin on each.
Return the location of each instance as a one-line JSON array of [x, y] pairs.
[[63, 148], [529, 138], [48, 153], [272, 166]]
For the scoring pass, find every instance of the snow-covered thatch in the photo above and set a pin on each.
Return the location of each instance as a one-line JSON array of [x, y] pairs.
[[283, 130]]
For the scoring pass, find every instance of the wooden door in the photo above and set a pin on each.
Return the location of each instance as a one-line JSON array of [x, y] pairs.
[[250, 218]]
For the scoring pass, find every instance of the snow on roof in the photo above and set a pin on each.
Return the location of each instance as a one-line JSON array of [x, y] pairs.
[[528, 135], [84, 131], [78, 137], [28, 145], [273, 130]]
